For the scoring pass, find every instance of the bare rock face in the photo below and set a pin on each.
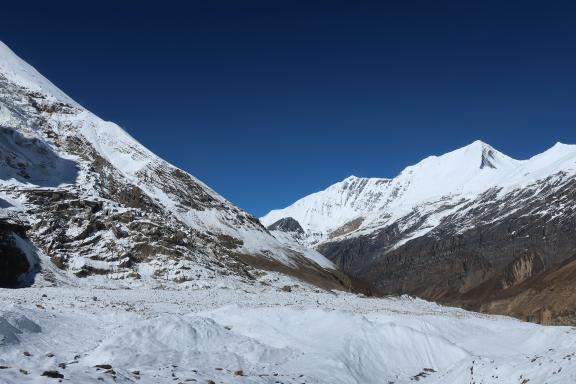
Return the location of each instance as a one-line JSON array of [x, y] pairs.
[[13, 260], [287, 224], [521, 269], [350, 226]]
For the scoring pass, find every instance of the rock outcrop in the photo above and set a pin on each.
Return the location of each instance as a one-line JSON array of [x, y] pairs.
[[14, 263]]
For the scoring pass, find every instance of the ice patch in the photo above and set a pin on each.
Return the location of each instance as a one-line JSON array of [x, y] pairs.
[[13, 324]]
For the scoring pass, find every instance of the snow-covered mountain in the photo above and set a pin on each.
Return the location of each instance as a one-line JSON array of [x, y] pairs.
[[364, 203], [87, 214], [406, 234], [88, 198]]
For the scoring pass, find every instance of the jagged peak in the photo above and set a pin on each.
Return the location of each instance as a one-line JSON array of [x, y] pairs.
[[480, 149], [486, 153], [476, 156], [286, 224]]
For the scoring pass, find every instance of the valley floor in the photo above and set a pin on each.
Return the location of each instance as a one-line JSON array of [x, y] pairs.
[[260, 333]]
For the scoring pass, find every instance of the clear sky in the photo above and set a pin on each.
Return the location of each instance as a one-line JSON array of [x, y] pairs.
[[270, 101]]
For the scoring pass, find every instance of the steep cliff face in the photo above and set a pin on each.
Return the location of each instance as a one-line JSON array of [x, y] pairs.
[[521, 269], [546, 298], [16, 267], [100, 205], [462, 228]]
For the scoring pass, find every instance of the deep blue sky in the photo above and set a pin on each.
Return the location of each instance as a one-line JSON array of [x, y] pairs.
[[269, 101]]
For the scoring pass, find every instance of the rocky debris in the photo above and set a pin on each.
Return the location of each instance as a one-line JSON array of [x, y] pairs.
[[68, 227], [53, 374], [103, 366]]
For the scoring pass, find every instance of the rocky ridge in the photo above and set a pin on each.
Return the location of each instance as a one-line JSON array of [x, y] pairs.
[[97, 205]]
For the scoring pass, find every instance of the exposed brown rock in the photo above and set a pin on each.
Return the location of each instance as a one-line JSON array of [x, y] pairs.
[[510, 255], [350, 226]]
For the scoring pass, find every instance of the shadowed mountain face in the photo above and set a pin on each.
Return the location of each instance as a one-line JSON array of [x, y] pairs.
[[13, 262], [287, 224], [471, 228], [4, 204], [18, 261], [30, 160]]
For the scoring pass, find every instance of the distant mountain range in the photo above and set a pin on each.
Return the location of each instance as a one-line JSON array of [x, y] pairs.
[[472, 227]]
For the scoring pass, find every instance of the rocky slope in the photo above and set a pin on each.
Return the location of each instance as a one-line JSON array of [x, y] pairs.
[[473, 227], [81, 195]]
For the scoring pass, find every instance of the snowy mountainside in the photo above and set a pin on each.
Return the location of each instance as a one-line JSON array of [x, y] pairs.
[[462, 174], [99, 203], [471, 227]]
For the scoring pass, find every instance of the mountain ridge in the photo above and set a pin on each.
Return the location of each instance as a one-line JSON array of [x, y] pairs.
[[100, 204], [492, 170], [449, 225]]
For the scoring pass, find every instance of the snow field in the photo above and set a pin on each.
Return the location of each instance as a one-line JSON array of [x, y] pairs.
[[260, 334]]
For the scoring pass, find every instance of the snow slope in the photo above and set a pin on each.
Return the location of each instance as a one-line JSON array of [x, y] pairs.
[[20, 72], [260, 334], [436, 181]]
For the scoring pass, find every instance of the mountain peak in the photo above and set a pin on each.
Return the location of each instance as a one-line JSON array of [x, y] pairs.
[[479, 155], [484, 154], [479, 144], [476, 146], [18, 71], [476, 156]]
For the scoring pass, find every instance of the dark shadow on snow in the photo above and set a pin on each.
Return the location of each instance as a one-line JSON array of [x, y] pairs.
[[31, 160], [4, 204]]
